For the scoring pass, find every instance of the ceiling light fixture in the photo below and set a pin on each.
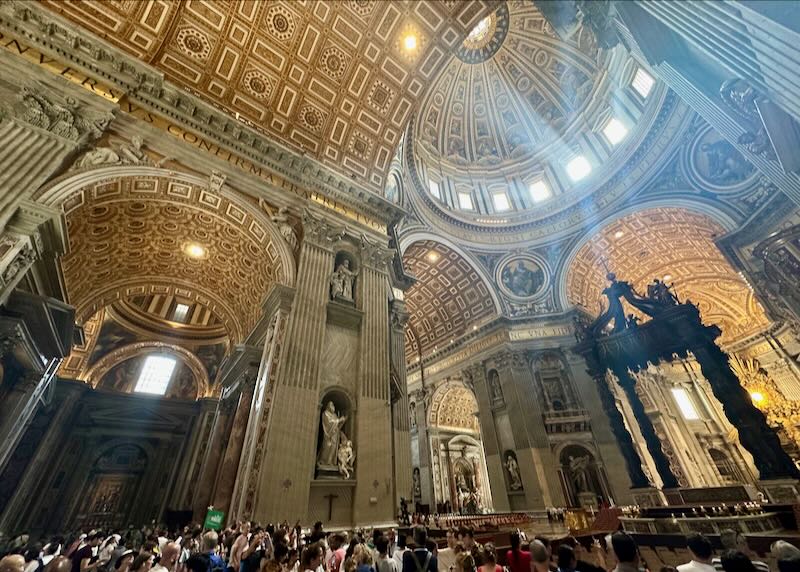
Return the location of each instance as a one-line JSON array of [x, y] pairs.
[[194, 250], [433, 256], [410, 42], [619, 234]]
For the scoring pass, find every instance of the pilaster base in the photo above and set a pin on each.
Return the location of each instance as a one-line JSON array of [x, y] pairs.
[[781, 491], [648, 496]]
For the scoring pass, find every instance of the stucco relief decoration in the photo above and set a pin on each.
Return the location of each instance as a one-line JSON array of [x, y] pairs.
[[716, 164], [522, 277], [62, 117], [122, 153]]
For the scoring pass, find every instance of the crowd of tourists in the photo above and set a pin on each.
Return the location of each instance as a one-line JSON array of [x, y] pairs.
[[251, 548]]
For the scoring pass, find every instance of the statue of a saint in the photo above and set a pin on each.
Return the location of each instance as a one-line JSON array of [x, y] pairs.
[[281, 219], [342, 281], [331, 432], [513, 473], [346, 456], [579, 469], [417, 486]]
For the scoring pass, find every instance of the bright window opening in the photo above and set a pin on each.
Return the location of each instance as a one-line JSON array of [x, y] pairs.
[[155, 376], [643, 82], [685, 404], [180, 313], [615, 131], [539, 191], [434, 188], [578, 168], [500, 201], [465, 201]]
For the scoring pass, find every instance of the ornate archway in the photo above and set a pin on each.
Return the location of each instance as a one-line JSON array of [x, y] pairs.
[[676, 245]]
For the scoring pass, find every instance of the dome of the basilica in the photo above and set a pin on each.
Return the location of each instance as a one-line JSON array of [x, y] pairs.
[[521, 124]]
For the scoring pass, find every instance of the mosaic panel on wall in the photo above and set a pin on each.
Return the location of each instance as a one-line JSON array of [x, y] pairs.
[[674, 245], [332, 79], [448, 298]]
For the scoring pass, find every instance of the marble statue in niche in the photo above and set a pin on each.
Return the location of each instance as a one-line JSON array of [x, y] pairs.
[[579, 471], [412, 413], [417, 486], [514, 478], [281, 220], [346, 457], [332, 436], [342, 282], [495, 388], [522, 277]]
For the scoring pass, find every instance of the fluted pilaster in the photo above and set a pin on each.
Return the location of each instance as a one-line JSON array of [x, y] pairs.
[[475, 377], [282, 490], [374, 503]]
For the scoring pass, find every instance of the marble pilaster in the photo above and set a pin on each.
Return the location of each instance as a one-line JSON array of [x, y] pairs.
[[211, 460], [403, 467], [374, 500], [283, 488], [475, 377], [421, 398], [223, 488], [50, 122], [610, 434]]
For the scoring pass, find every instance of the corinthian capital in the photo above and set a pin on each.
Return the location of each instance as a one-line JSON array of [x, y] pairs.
[[375, 255], [63, 116], [319, 231]]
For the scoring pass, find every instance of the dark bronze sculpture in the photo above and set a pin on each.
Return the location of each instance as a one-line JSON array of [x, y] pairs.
[[673, 330]]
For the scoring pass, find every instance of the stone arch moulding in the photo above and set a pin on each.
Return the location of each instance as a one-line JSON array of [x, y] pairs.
[[406, 240], [58, 192], [104, 365], [561, 272]]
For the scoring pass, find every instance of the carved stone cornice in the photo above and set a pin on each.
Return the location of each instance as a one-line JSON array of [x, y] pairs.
[[143, 85]]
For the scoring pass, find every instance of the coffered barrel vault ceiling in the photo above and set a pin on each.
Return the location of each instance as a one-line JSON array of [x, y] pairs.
[[128, 238], [333, 79], [448, 298], [675, 245]]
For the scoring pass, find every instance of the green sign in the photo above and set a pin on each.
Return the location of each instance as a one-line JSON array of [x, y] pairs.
[[214, 519]]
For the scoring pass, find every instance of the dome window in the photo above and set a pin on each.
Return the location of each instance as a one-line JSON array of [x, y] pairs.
[[500, 201], [643, 82], [465, 201], [155, 375], [615, 131], [180, 313], [578, 168], [433, 186], [539, 191]]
